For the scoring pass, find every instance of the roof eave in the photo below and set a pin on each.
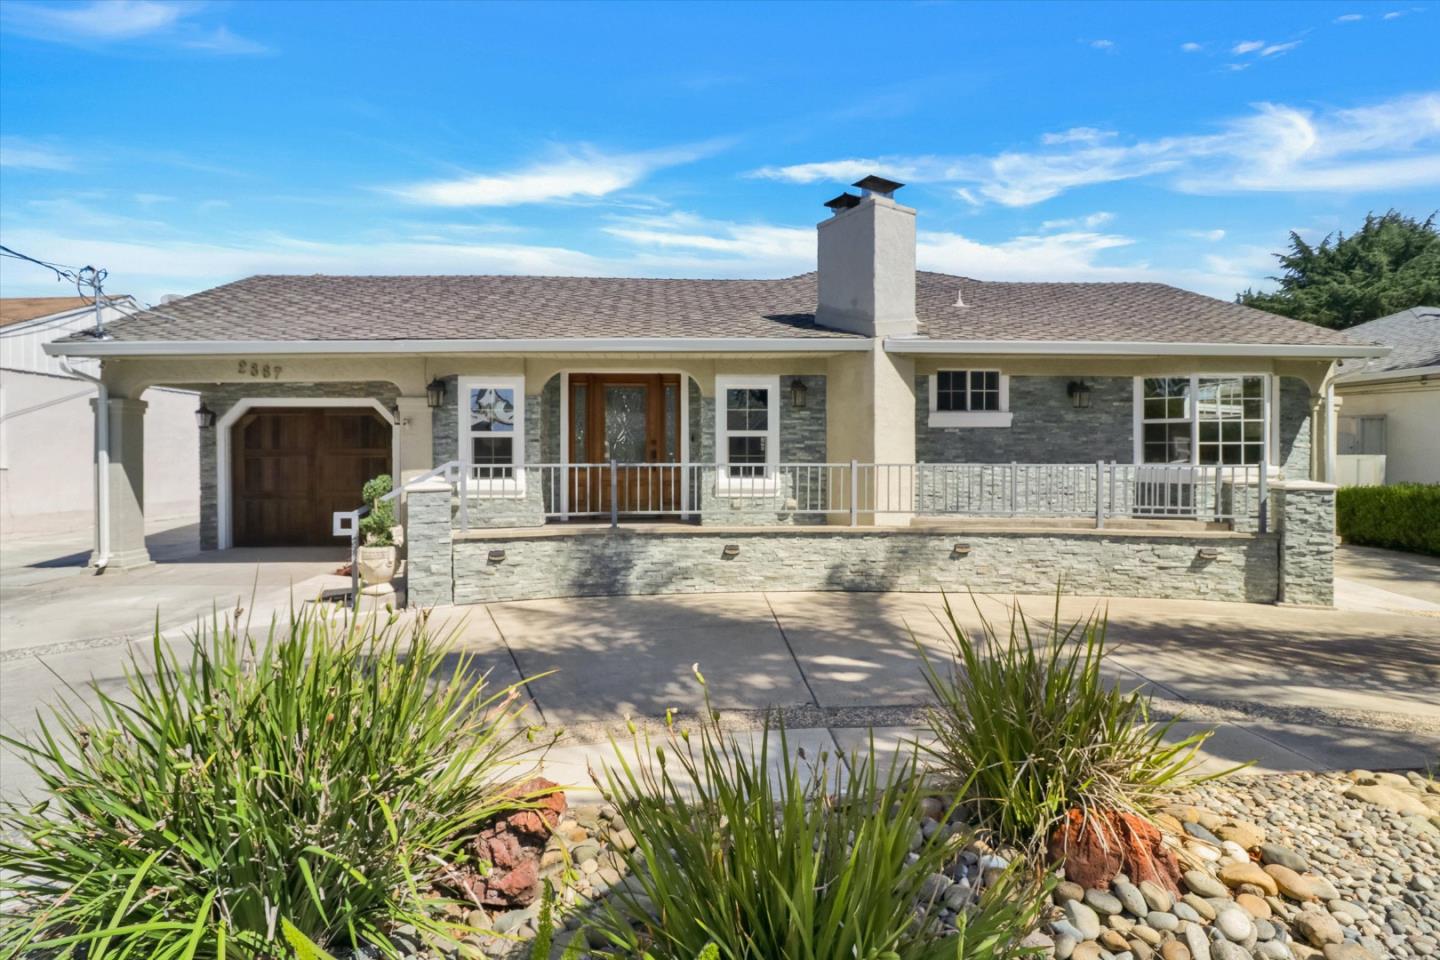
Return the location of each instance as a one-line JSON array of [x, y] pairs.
[[202, 348], [1118, 348], [1381, 376]]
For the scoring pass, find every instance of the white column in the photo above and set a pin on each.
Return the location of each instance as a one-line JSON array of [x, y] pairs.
[[123, 477]]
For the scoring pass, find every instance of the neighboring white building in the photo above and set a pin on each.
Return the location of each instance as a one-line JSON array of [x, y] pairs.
[[1389, 407], [47, 441]]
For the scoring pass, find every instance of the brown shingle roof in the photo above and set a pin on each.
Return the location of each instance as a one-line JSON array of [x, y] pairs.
[[492, 307], [1110, 312], [482, 308], [20, 309]]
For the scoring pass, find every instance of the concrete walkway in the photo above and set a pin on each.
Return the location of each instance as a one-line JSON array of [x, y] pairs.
[[1293, 688], [50, 600], [1368, 578]]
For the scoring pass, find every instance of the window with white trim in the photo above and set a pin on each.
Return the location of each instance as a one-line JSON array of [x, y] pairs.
[[1202, 419], [969, 398], [747, 427], [492, 426]]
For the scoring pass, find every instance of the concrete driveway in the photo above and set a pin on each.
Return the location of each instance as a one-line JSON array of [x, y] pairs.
[[1294, 688]]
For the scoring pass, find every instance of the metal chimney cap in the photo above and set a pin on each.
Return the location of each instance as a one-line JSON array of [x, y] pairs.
[[874, 184], [843, 202]]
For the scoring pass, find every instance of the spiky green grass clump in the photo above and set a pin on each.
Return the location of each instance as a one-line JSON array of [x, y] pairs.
[[754, 854], [312, 779], [1026, 728]]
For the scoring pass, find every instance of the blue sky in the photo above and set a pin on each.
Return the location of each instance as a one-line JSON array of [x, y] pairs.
[[181, 145]]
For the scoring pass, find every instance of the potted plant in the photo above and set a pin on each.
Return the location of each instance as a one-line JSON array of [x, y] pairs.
[[377, 557]]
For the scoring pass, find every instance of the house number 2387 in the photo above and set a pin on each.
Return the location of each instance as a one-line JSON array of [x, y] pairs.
[[264, 370]]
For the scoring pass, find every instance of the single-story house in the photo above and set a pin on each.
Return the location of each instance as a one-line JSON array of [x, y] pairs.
[[1389, 407], [47, 483], [864, 426]]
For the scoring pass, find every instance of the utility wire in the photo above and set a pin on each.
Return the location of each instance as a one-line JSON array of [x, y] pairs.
[[87, 276]]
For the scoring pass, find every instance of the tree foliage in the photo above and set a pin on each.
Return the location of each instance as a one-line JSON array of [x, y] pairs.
[[1391, 264]]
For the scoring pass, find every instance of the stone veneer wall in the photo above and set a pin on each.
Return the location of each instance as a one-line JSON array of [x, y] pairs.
[[691, 560], [1046, 427], [221, 397], [429, 580], [1306, 513], [1294, 399]]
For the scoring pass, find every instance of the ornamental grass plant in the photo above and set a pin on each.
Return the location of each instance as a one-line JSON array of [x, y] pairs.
[[309, 779], [753, 853], [1027, 729]]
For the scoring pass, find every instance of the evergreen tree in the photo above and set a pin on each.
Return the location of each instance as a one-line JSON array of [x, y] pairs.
[[1391, 264]]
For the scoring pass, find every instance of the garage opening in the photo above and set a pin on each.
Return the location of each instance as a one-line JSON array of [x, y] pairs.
[[294, 467]]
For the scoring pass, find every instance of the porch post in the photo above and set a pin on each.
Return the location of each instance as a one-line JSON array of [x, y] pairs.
[[416, 446], [122, 527]]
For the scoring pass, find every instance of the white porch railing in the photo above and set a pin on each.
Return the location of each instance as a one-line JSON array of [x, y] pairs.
[[817, 491], [499, 496]]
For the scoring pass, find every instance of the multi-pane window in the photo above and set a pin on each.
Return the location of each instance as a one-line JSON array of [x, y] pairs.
[[748, 426], [1204, 420], [491, 427], [962, 391]]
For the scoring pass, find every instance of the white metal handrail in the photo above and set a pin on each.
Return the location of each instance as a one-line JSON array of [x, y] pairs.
[[1095, 491]]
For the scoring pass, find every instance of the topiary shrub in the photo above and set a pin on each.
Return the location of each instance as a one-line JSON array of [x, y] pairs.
[[376, 524], [1402, 516]]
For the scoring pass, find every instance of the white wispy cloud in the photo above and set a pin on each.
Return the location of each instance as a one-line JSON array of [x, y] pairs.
[[1247, 46], [1349, 18], [1214, 236], [1089, 222], [1277, 147], [1103, 44], [1077, 135], [1278, 48], [105, 22], [1192, 47], [577, 173], [20, 154]]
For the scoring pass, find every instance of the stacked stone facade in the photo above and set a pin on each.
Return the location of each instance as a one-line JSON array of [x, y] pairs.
[[696, 560]]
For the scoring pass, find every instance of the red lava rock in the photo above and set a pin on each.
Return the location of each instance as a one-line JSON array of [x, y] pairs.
[[1096, 847], [550, 803], [519, 886], [512, 845]]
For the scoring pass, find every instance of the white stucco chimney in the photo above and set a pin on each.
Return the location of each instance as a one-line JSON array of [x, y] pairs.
[[867, 263]]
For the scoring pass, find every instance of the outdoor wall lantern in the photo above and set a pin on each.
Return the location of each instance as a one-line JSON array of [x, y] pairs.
[[204, 417], [497, 556], [731, 551], [960, 551], [1079, 392], [435, 393], [798, 390]]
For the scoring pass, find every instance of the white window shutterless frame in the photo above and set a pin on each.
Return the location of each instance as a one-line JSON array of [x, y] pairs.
[[969, 398], [491, 433], [747, 433], [1205, 419]]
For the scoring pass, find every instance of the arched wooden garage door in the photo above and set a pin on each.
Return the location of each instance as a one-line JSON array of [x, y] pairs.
[[293, 468]]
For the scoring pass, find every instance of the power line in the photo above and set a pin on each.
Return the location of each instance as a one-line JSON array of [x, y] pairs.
[[87, 276]]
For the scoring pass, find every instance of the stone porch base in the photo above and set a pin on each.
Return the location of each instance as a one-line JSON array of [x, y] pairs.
[[1295, 564]]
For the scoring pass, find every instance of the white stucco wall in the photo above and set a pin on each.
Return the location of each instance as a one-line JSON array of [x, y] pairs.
[[47, 448], [1412, 424]]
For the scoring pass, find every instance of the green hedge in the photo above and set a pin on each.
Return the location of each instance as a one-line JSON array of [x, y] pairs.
[[1405, 516]]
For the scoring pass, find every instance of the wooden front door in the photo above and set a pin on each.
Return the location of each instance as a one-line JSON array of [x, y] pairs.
[[634, 420], [293, 468]]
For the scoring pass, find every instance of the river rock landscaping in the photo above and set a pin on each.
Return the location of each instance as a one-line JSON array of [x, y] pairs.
[[1284, 867]]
